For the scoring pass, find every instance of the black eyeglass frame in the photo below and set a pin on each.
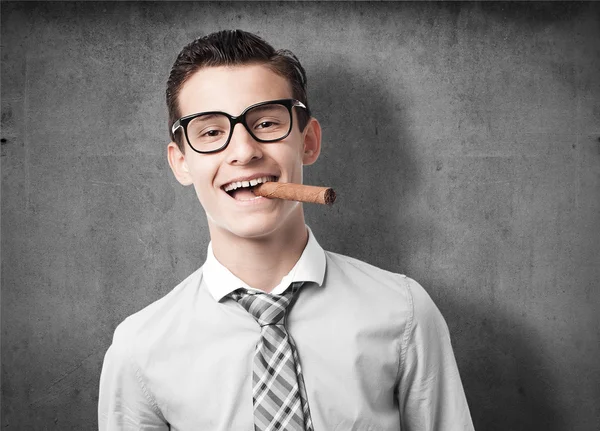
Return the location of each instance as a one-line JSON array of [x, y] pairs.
[[234, 120]]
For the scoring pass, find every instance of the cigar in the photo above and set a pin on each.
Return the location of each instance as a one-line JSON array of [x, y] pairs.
[[296, 192]]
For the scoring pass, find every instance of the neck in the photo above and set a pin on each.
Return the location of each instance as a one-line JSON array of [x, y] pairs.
[[263, 261]]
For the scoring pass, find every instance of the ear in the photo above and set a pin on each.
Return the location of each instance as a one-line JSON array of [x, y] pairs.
[[178, 164], [311, 138]]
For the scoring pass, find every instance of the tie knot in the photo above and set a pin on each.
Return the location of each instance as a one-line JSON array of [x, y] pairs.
[[267, 309]]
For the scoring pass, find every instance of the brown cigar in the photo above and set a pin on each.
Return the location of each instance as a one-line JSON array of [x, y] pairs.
[[296, 192]]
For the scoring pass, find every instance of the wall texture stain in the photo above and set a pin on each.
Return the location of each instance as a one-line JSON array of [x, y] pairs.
[[462, 140]]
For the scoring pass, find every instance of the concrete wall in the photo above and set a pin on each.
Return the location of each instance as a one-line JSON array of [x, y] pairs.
[[462, 139]]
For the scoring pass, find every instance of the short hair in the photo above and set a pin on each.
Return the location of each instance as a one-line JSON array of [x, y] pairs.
[[232, 48]]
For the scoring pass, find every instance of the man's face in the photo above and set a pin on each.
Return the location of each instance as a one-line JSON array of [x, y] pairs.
[[231, 90]]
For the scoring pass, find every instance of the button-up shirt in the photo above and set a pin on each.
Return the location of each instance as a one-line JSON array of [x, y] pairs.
[[374, 349]]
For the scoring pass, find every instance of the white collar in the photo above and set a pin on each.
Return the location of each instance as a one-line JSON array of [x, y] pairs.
[[309, 268]]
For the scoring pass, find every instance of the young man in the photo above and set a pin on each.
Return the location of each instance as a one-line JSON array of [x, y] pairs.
[[272, 332]]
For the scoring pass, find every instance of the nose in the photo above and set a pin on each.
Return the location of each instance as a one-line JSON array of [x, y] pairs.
[[242, 148]]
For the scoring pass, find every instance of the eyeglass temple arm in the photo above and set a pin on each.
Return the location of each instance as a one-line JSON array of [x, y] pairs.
[[300, 104], [176, 125]]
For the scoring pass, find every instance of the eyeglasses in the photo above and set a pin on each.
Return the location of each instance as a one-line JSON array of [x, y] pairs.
[[209, 132]]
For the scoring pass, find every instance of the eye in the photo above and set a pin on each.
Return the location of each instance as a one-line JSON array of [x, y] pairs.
[[208, 133], [212, 133], [208, 127], [266, 124]]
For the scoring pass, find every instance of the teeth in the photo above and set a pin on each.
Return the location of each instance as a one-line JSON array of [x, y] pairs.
[[250, 183]]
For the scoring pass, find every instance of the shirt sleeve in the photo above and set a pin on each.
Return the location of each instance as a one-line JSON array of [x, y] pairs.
[[124, 401], [430, 393]]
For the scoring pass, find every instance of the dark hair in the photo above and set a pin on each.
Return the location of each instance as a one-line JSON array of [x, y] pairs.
[[230, 48]]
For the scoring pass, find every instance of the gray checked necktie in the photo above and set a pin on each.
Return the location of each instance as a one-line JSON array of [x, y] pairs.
[[278, 392]]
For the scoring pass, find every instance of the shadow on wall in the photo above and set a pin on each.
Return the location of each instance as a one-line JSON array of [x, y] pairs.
[[507, 379], [371, 160], [365, 157]]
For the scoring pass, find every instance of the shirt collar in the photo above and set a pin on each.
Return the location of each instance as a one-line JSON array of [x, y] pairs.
[[309, 268]]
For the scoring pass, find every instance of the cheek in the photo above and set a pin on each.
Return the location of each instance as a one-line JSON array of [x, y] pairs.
[[291, 153], [203, 169], [294, 165], [202, 180]]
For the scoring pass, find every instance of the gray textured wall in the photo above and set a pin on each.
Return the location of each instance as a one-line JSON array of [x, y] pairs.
[[462, 140]]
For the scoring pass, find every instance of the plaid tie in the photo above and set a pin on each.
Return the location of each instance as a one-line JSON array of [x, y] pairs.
[[278, 391]]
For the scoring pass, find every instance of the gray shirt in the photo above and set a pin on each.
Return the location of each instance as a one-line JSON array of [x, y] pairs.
[[374, 349]]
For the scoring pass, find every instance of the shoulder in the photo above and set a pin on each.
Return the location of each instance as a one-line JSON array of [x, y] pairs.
[[388, 295], [148, 324], [375, 282], [357, 272]]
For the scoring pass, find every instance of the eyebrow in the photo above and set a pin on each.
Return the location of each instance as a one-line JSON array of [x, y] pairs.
[[262, 108], [208, 116]]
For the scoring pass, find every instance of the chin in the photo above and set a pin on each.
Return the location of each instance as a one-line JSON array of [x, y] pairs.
[[252, 227], [244, 228]]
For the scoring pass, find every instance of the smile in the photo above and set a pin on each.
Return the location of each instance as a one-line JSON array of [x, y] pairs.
[[242, 190], [250, 183]]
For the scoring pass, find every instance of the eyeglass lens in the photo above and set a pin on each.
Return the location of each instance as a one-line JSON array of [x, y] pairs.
[[265, 122]]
